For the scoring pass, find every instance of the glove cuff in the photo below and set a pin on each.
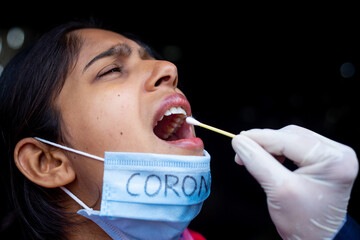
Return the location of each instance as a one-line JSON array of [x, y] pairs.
[[350, 229]]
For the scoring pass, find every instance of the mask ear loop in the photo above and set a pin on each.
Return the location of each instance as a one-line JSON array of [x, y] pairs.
[[70, 149], [76, 199]]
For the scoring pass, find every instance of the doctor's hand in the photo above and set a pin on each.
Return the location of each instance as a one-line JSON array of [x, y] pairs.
[[310, 202]]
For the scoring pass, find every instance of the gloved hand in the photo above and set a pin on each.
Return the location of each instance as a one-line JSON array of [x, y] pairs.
[[310, 202]]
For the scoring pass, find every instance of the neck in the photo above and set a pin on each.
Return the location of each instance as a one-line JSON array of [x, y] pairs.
[[80, 228], [85, 229]]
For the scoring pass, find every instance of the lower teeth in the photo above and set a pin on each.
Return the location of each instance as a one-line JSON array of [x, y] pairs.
[[169, 132]]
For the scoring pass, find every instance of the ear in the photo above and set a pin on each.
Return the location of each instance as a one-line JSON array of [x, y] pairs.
[[42, 164]]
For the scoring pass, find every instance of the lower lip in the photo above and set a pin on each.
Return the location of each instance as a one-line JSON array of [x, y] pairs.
[[193, 143]]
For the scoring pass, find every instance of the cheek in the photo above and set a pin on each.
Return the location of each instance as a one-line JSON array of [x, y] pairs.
[[108, 123]]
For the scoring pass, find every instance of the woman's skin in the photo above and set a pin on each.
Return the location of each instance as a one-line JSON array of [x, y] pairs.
[[111, 100]]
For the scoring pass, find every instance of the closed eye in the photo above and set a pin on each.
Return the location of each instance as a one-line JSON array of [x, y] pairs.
[[109, 70]]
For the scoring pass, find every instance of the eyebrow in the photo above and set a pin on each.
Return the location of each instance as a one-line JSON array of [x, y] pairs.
[[120, 49]]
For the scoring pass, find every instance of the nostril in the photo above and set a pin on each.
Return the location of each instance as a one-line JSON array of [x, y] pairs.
[[161, 80]]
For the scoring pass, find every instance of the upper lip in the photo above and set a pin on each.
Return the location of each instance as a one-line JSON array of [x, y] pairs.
[[175, 100]]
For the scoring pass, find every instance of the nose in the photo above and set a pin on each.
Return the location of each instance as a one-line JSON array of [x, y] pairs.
[[164, 74]]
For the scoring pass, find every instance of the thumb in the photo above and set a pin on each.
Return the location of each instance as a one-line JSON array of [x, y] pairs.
[[261, 164]]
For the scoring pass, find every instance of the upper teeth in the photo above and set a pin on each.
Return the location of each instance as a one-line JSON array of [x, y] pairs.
[[173, 110]]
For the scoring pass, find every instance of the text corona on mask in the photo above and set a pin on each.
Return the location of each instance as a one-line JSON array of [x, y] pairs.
[[166, 184]]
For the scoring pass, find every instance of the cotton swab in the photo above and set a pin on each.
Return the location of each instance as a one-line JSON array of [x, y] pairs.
[[193, 121]]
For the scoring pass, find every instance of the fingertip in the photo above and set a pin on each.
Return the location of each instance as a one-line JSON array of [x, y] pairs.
[[243, 132], [238, 160], [240, 133], [235, 140], [254, 131]]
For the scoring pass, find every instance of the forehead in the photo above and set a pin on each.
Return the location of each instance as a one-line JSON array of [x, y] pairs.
[[94, 41]]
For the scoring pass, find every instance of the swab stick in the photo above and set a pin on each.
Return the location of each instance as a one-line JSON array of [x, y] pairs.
[[193, 121]]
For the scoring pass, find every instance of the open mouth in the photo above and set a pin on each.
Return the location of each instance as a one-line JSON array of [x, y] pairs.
[[172, 126]]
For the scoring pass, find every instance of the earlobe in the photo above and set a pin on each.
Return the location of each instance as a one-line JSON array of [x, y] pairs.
[[42, 164]]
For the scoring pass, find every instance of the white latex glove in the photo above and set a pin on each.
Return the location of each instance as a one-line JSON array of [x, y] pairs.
[[310, 202]]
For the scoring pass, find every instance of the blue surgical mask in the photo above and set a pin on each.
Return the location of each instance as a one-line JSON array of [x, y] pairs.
[[148, 196]]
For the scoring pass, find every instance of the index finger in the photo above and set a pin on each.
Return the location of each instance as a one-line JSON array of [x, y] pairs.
[[296, 143]]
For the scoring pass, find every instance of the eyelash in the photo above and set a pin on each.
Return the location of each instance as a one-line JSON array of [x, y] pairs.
[[112, 70]]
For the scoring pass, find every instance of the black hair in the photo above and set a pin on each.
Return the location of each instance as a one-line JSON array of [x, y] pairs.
[[28, 86]]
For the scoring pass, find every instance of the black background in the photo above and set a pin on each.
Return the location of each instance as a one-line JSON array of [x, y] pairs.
[[242, 66]]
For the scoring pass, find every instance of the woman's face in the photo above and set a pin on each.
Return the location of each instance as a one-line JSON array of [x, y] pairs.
[[114, 99]]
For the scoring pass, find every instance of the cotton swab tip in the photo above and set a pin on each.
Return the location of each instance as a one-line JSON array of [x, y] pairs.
[[192, 121]]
